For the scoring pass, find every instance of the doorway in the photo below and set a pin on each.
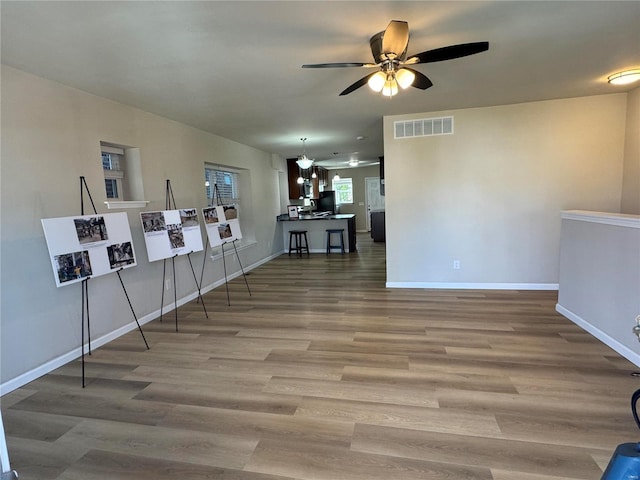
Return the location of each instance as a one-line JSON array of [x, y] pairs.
[[372, 197]]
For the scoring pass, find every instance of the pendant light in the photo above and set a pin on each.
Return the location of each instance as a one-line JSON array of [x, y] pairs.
[[303, 161]]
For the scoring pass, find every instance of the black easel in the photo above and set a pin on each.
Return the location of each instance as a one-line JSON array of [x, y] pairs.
[[85, 287], [170, 204], [216, 195]]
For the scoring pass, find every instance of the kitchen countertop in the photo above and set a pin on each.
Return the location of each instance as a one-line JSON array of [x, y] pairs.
[[339, 216]]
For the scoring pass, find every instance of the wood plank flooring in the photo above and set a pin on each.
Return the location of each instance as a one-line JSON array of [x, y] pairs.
[[323, 374]]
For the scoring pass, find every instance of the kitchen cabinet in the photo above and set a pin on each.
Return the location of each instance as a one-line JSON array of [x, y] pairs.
[[377, 226], [293, 172]]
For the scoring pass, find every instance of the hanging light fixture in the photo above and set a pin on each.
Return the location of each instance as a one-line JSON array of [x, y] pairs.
[[303, 161], [336, 177], [387, 81]]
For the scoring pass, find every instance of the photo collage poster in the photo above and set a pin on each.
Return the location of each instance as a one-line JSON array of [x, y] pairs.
[[169, 233], [87, 246], [222, 224]]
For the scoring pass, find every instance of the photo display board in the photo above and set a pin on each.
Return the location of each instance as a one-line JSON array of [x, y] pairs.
[[171, 232], [222, 224], [87, 246]]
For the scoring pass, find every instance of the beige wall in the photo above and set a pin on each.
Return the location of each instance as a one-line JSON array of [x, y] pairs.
[[50, 137], [631, 182], [491, 195]]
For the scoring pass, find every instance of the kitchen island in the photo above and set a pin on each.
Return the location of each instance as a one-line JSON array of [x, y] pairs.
[[316, 226]]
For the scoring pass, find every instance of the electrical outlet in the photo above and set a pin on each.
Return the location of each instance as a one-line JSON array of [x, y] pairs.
[[167, 284], [456, 264]]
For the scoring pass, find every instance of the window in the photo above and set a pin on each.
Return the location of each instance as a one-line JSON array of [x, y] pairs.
[[122, 169], [111, 185], [227, 185], [344, 190], [222, 185], [112, 159]]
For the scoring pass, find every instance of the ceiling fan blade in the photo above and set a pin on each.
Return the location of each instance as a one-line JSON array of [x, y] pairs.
[[357, 85], [421, 81], [339, 65], [396, 38], [448, 53]]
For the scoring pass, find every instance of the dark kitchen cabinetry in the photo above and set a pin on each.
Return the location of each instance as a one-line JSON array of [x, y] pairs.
[[377, 226], [293, 172]]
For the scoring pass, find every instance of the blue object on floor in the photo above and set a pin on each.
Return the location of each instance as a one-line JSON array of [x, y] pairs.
[[625, 463]]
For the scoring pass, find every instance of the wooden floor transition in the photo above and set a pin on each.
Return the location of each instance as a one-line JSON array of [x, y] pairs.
[[324, 374]]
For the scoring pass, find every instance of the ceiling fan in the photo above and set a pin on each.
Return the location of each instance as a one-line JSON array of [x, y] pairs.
[[389, 49]]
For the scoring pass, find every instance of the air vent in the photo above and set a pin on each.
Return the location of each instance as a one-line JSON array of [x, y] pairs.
[[424, 127]]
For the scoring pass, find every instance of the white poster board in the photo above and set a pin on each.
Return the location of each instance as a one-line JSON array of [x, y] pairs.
[[171, 232], [222, 224], [87, 246]]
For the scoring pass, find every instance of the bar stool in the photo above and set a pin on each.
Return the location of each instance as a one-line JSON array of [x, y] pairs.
[[339, 231], [299, 235]]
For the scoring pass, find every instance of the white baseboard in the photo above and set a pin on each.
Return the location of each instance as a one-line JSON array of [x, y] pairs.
[[611, 342], [474, 286], [65, 358]]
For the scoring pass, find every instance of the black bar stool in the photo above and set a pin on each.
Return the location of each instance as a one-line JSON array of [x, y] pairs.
[[339, 231], [298, 235]]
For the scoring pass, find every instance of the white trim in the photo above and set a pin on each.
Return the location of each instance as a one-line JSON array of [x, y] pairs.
[[65, 358], [115, 204], [5, 466], [107, 149], [616, 219], [229, 251], [474, 286], [611, 342]]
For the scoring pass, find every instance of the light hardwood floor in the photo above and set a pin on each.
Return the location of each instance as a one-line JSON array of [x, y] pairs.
[[323, 374]]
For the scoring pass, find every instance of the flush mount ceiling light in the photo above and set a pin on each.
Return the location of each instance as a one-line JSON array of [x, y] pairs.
[[625, 77], [303, 161], [353, 163]]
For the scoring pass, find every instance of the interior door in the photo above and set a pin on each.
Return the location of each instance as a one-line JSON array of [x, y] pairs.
[[372, 197]]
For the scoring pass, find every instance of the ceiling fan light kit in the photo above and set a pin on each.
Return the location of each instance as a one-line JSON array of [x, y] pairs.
[[389, 50], [377, 81], [390, 88], [405, 78]]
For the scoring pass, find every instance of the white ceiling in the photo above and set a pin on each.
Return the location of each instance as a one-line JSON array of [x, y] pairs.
[[233, 67]]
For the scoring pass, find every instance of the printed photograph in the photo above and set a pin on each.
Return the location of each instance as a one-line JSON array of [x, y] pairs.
[[230, 212], [210, 215], [153, 221], [90, 230], [176, 237], [224, 229], [73, 266], [120, 254], [189, 217]]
